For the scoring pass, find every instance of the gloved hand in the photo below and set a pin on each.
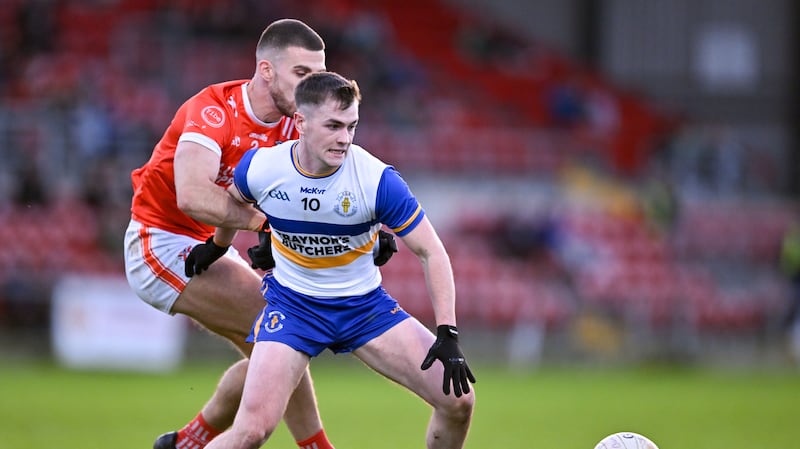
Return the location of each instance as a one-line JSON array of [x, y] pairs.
[[261, 254], [386, 248], [202, 256], [446, 349]]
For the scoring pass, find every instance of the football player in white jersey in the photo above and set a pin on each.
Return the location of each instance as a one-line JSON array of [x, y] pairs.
[[326, 199]]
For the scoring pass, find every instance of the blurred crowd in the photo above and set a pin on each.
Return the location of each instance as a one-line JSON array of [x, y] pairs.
[[88, 87]]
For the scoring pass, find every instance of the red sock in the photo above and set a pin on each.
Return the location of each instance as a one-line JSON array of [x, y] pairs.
[[318, 441], [196, 434]]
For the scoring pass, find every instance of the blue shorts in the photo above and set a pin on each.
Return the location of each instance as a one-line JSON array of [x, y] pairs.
[[310, 324]]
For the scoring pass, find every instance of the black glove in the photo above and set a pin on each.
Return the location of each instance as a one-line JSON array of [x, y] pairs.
[[203, 255], [386, 248], [261, 254], [446, 349]]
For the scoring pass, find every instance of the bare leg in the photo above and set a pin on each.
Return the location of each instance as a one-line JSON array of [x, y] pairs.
[[274, 372], [302, 417], [226, 300], [398, 354], [302, 413], [221, 408]]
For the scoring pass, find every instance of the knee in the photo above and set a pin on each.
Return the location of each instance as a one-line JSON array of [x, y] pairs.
[[459, 408], [251, 437]]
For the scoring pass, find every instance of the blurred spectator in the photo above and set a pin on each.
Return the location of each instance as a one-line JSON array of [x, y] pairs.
[[29, 188], [37, 24], [534, 238], [710, 159], [484, 43], [566, 104]]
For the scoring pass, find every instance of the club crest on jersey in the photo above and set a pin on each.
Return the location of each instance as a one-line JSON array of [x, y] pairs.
[[184, 254], [345, 204], [274, 321], [213, 115]]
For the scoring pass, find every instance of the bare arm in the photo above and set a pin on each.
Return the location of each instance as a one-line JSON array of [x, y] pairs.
[[223, 236], [203, 255], [425, 243], [199, 197]]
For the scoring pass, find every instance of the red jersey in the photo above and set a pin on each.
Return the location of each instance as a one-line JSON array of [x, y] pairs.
[[219, 118]]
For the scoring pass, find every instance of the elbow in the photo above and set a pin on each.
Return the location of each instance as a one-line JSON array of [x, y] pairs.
[[188, 204]]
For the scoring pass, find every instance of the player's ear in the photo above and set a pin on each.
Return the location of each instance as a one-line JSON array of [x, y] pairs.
[[299, 121], [266, 70]]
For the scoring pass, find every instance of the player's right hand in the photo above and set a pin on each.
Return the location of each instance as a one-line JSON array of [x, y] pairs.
[[202, 256], [446, 350], [261, 254]]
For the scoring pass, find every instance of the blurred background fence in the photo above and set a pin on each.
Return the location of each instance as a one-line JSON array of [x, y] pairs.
[[614, 179]]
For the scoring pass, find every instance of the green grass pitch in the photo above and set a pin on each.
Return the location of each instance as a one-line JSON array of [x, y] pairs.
[[43, 406]]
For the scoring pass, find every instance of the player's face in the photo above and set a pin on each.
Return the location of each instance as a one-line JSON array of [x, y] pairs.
[[293, 64], [327, 132]]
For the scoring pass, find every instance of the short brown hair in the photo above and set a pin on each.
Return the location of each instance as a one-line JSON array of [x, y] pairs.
[[318, 87], [285, 33]]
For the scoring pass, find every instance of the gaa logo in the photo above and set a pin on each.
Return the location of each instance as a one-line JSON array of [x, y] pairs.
[[278, 195]]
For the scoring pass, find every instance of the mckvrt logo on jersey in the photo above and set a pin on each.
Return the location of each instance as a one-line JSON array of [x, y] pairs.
[[312, 190], [345, 204], [274, 321], [279, 195]]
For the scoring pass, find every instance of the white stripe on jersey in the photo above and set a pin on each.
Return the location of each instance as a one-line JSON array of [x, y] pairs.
[[287, 128]]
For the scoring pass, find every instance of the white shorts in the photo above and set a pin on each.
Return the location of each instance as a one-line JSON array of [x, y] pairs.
[[155, 263]]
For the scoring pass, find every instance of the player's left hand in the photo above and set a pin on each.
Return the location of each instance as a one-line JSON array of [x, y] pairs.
[[202, 256], [386, 248], [456, 370], [261, 254]]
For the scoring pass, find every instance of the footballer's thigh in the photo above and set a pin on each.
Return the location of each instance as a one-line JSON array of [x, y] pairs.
[[274, 372], [225, 299], [398, 354]]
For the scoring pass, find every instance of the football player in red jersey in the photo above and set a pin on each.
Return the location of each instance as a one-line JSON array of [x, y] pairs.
[[179, 197]]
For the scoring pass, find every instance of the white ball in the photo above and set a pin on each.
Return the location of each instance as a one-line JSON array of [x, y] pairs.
[[625, 440]]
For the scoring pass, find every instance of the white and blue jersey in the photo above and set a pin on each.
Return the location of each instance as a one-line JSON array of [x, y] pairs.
[[324, 291], [324, 227]]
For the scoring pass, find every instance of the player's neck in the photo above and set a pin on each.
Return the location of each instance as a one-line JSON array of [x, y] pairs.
[[307, 164], [303, 163], [261, 103]]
